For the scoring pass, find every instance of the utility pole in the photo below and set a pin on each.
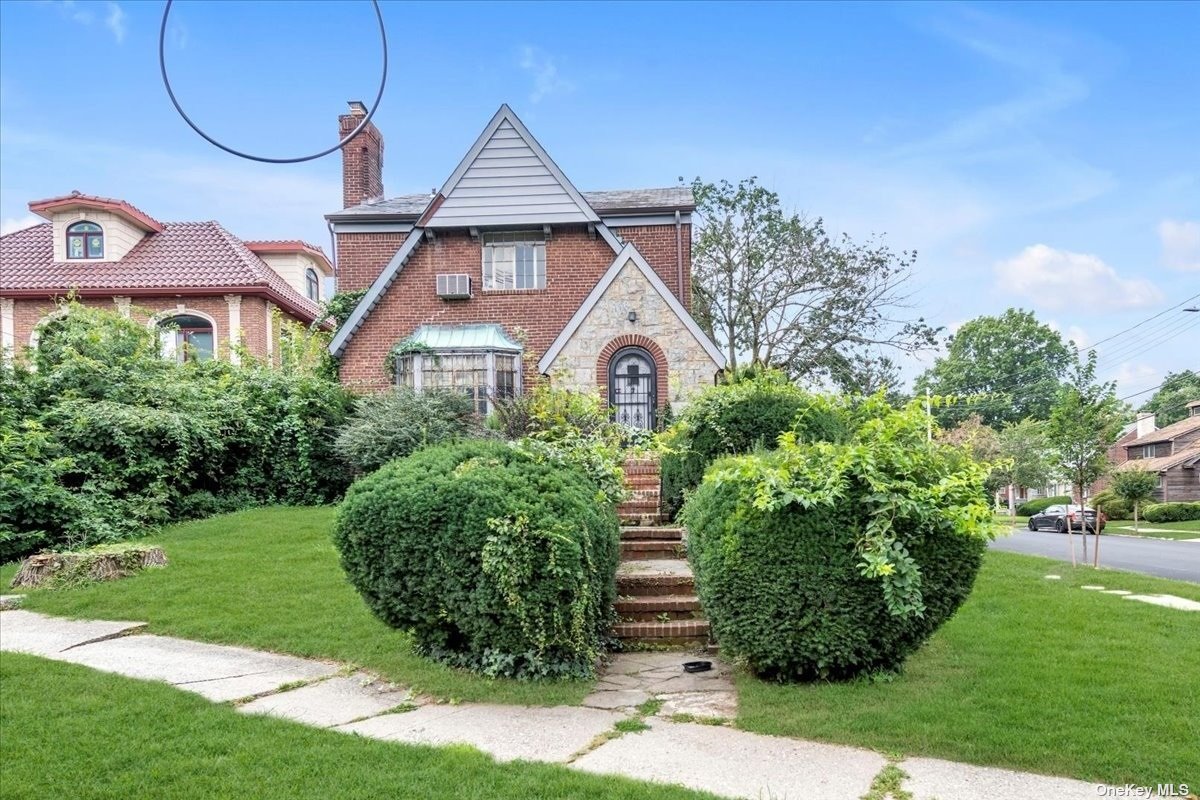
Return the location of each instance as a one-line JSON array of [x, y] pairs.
[[928, 418]]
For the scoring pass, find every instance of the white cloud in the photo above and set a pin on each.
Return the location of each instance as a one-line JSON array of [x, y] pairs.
[[544, 71], [13, 224], [82, 14], [1180, 241], [115, 21], [1073, 333], [1060, 279], [1134, 375]]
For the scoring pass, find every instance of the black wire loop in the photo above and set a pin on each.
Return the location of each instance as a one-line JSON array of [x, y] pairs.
[[162, 63]]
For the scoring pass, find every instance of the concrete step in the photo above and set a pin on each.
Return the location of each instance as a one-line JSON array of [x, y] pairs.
[[651, 532], [649, 585], [675, 632], [640, 519], [638, 549], [653, 609]]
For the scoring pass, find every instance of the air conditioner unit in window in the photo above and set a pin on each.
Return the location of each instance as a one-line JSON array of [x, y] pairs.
[[452, 287]]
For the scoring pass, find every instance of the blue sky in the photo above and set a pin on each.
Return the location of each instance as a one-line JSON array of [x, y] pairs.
[[1043, 155]]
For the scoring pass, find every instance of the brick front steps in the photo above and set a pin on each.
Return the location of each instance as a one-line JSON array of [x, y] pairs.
[[657, 602]]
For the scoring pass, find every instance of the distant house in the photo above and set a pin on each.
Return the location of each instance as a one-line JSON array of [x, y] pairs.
[[1172, 452], [210, 294], [508, 272]]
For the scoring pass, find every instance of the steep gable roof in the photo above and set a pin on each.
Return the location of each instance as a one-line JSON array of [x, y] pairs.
[[1169, 432], [507, 178], [629, 254]]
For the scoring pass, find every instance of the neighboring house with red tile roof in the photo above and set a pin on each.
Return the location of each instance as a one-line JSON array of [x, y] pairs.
[[1172, 452], [508, 272], [199, 283]]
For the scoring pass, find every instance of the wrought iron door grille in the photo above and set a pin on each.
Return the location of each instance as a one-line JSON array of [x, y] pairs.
[[631, 388]]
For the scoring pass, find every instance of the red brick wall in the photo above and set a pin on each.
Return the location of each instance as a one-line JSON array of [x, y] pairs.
[[657, 244], [362, 256], [574, 262], [28, 312]]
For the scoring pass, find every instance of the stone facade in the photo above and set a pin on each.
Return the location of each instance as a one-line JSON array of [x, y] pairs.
[[689, 367]]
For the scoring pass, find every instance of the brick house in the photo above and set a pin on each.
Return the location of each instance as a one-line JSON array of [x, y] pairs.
[[1173, 452], [508, 272], [195, 281]]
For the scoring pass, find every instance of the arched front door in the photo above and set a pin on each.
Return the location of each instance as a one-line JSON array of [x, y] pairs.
[[632, 387]]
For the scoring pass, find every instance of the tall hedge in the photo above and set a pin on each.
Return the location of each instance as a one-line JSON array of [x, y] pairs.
[[830, 559], [493, 561], [1172, 512]]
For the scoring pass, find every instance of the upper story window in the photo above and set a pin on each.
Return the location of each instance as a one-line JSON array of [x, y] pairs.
[[85, 240], [514, 260], [312, 284]]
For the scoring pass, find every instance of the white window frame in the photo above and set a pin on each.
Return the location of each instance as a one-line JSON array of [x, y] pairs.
[[416, 366], [496, 243]]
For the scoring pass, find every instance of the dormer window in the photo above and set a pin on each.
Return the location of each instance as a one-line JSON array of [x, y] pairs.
[[312, 285], [514, 260], [85, 240]]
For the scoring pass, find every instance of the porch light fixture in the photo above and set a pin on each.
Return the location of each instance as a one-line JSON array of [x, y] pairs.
[[632, 316]]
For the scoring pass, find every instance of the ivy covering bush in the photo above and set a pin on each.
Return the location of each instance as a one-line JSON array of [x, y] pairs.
[[1031, 507], [394, 424], [105, 438], [750, 410], [492, 560], [840, 554], [1172, 512]]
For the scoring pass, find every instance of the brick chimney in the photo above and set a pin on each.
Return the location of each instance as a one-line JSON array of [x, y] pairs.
[[1145, 424], [362, 158]]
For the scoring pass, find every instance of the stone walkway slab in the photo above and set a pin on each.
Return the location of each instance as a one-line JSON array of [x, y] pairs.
[[334, 701], [504, 732], [737, 764], [934, 779], [28, 632], [630, 679], [218, 672], [1165, 600]]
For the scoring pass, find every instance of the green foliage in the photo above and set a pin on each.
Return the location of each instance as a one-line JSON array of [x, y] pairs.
[[1083, 423], [1113, 506], [748, 411], [1169, 403], [1172, 512], [1025, 453], [570, 429], [493, 561], [397, 423], [836, 558], [1031, 507], [1135, 488], [342, 305], [106, 438], [1015, 358]]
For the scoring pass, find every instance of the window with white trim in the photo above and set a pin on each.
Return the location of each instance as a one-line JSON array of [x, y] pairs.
[[514, 260], [483, 375]]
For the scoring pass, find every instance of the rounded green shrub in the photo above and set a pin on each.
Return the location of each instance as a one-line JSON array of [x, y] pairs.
[[749, 411], [395, 424], [1031, 507], [1172, 512], [1113, 507], [492, 560], [829, 560]]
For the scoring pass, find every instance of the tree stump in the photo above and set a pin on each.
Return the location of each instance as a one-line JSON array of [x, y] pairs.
[[63, 569]]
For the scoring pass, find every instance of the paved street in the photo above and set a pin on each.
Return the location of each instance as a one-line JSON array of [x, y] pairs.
[[1164, 558]]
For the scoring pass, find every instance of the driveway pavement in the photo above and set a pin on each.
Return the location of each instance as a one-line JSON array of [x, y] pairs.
[[714, 758], [1162, 557]]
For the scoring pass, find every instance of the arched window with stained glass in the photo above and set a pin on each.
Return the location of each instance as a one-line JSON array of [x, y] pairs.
[[85, 240]]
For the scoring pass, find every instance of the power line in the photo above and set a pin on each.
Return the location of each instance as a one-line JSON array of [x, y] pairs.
[[1140, 324], [1167, 336]]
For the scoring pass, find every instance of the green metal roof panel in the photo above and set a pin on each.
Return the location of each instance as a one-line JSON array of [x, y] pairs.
[[465, 337]]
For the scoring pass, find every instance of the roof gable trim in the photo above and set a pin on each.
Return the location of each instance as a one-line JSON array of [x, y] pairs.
[[376, 292]]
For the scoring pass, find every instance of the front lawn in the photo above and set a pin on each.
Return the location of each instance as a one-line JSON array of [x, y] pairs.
[[1189, 529], [1032, 674], [269, 578], [72, 732]]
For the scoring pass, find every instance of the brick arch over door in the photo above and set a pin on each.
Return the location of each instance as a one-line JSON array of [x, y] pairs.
[[651, 347]]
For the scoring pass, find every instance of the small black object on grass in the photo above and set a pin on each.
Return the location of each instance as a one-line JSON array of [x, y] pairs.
[[697, 666]]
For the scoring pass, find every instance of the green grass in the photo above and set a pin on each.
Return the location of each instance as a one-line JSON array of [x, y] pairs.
[[1157, 530], [1031, 674], [72, 732], [1005, 519], [269, 578]]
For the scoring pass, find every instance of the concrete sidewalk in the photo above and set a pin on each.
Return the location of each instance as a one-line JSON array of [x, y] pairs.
[[717, 759]]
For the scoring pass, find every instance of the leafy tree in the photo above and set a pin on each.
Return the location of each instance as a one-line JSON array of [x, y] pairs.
[[775, 289], [1024, 447], [1013, 356], [1134, 486], [1083, 423], [1169, 403]]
